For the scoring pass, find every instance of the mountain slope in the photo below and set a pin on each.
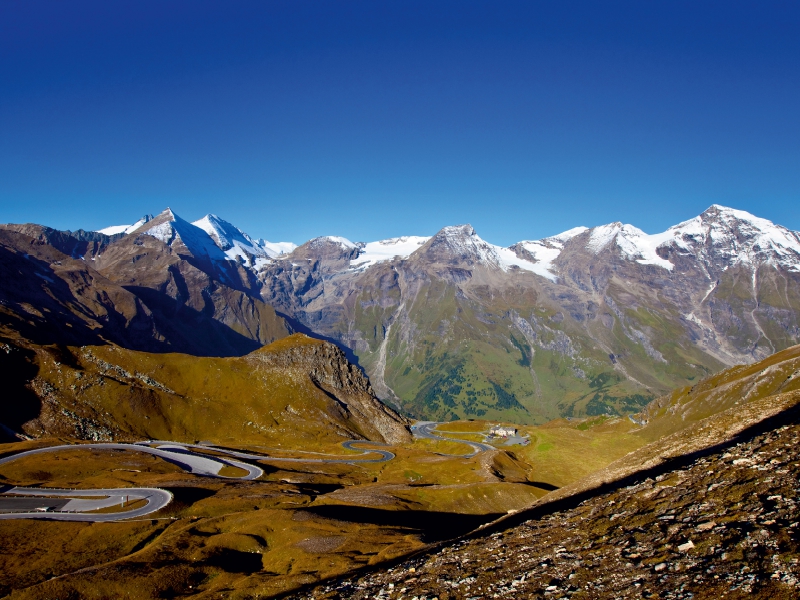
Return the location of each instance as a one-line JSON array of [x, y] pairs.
[[587, 322], [722, 525], [708, 508], [133, 290], [297, 389]]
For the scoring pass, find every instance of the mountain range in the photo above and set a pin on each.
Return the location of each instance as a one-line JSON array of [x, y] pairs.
[[587, 322]]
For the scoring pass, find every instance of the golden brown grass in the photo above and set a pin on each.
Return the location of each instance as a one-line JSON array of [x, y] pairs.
[[303, 521]]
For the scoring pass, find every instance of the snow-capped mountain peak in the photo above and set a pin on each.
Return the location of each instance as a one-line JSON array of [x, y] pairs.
[[224, 234], [170, 228], [733, 237], [237, 244], [632, 242], [720, 235], [210, 236], [234, 242], [332, 239], [461, 244]]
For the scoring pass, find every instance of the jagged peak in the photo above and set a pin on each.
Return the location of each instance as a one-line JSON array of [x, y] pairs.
[[461, 239], [465, 230], [224, 234]]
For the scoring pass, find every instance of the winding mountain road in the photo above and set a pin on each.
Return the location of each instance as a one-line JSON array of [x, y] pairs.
[[80, 502], [76, 505], [169, 451], [424, 429], [384, 455]]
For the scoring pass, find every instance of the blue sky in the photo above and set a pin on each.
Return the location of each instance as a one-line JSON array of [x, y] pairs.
[[376, 119]]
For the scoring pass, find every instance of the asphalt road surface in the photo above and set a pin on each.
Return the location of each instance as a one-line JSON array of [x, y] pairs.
[[81, 501], [383, 455], [172, 452], [424, 429], [76, 505]]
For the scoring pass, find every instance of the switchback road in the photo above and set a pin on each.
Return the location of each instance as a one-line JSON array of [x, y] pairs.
[[383, 455], [80, 502], [76, 505], [424, 429]]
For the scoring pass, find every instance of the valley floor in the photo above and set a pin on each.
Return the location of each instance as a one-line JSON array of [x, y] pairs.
[[725, 525]]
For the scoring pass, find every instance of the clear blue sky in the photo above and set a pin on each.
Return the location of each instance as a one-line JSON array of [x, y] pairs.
[[380, 118]]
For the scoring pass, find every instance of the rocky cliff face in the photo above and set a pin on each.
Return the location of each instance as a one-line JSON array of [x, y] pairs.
[[328, 368]]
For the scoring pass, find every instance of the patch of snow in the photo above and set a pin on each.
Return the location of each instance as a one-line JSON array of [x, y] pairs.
[[273, 249], [139, 223], [507, 258], [567, 235], [126, 229], [547, 250], [260, 263], [114, 229], [383, 250]]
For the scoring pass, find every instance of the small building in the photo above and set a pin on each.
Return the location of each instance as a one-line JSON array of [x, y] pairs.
[[500, 431]]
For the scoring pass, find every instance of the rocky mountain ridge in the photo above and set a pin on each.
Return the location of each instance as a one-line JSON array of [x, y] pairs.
[[134, 291]]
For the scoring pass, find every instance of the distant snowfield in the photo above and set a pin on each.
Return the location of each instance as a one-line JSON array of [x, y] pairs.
[[376, 252], [113, 229]]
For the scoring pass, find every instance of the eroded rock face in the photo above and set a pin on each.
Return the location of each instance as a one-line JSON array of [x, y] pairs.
[[328, 368]]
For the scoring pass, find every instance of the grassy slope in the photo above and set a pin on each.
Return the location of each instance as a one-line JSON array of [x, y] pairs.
[[456, 351], [221, 546], [563, 451], [105, 392]]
